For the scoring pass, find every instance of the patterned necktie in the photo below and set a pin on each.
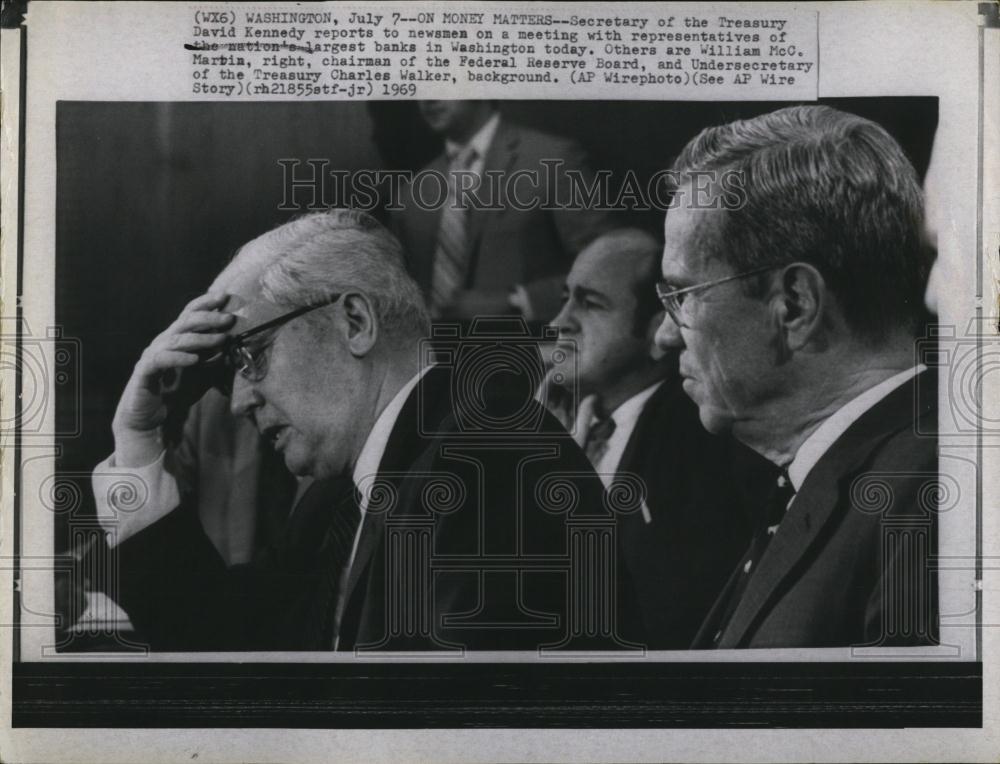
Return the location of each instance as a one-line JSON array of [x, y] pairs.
[[777, 505], [333, 559], [451, 258], [596, 443]]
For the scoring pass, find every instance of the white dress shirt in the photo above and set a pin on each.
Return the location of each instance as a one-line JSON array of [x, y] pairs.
[[625, 418], [365, 473], [129, 499], [817, 444], [481, 142], [366, 468]]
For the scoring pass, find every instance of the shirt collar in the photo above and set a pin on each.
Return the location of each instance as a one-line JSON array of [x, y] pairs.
[[817, 444], [626, 413], [480, 141], [371, 453], [629, 411]]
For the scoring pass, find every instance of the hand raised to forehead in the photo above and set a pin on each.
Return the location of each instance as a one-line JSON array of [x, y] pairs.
[[199, 329]]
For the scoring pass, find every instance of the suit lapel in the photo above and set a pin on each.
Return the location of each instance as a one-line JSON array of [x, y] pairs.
[[705, 637], [811, 510], [425, 233], [501, 156], [649, 419], [817, 504], [425, 407]]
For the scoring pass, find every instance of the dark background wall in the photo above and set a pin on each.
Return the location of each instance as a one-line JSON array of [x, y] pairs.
[[153, 199]]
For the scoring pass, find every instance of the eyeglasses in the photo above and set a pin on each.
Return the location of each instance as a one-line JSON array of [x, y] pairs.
[[673, 299], [252, 365]]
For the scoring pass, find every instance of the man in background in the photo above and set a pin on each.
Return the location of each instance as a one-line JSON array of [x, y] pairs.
[[640, 431], [503, 247], [795, 305]]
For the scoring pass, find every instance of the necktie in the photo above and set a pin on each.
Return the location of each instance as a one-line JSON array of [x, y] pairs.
[[774, 512], [334, 556], [451, 258], [596, 443]]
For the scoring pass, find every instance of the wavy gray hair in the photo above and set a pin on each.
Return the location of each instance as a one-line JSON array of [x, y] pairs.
[[325, 253]]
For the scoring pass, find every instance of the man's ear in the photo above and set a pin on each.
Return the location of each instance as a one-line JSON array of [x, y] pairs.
[[800, 305], [362, 323]]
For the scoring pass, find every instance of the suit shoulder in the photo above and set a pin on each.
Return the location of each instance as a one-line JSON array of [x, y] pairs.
[[672, 444], [671, 414], [532, 139], [910, 447]]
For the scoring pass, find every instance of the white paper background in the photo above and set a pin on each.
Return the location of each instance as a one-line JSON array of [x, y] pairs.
[[131, 52]]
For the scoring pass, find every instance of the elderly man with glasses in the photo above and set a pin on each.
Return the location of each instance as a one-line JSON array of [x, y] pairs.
[[436, 519], [796, 312]]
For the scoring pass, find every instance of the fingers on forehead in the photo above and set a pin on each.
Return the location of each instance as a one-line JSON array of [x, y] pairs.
[[254, 314]]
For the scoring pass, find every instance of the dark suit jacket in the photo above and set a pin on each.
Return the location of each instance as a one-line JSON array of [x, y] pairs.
[[850, 564], [180, 595], [492, 494], [534, 247], [241, 488], [486, 504], [700, 491]]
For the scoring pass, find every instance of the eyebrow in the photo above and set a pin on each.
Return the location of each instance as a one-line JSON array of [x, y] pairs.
[[674, 281], [677, 279], [581, 291]]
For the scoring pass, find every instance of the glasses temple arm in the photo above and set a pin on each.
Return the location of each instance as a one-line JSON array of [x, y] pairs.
[[282, 319]]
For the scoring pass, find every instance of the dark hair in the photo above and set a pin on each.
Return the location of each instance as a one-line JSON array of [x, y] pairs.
[[647, 249], [831, 189]]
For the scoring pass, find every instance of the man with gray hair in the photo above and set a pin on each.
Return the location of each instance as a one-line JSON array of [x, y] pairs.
[[793, 279], [328, 361]]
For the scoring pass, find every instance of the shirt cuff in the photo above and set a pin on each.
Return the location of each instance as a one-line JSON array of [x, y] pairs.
[[130, 499]]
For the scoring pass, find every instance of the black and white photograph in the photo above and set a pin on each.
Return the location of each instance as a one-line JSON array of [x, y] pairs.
[[217, 504], [643, 384]]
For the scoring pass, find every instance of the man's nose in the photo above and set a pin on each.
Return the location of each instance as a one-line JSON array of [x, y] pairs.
[[563, 322], [669, 334], [244, 398]]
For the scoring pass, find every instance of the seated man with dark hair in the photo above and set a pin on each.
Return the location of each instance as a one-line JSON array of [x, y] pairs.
[[640, 430]]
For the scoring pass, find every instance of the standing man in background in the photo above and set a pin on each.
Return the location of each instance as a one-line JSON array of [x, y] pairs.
[[511, 253]]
